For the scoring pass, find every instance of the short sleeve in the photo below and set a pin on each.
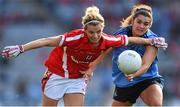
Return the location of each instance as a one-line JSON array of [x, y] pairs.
[[62, 38], [126, 40], [71, 38], [115, 41]]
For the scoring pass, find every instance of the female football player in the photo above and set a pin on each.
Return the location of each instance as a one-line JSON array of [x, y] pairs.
[[75, 51], [146, 83]]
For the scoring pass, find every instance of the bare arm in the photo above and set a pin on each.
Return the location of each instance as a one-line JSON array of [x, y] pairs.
[[147, 60], [14, 51], [88, 74], [49, 41], [100, 58], [158, 42], [139, 40]]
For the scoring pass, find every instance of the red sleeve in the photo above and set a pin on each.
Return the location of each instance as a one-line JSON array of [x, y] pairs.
[[115, 41], [70, 38]]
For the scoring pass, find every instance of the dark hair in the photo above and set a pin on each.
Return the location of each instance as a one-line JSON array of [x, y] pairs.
[[137, 10], [142, 12]]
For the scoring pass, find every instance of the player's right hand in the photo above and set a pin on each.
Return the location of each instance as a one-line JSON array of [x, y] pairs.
[[88, 74], [12, 51], [129, 77]]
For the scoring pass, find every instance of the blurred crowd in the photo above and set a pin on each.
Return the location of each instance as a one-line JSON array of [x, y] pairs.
[[22, 21]]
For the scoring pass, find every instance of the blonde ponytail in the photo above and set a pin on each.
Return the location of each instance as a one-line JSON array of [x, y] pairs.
[[126, 22]]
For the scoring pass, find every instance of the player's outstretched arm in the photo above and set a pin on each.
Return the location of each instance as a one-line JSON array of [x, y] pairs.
[[158, 42], [100, 58], [89, 73], [49, 41], [14, 51]]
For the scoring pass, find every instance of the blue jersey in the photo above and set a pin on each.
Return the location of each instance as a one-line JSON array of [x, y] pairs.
[[118, 77]]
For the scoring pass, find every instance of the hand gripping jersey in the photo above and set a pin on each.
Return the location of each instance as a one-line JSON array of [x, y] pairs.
[[75, 52]]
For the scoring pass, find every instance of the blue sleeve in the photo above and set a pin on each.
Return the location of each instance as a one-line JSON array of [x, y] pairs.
[[117, 32], [150, 34]]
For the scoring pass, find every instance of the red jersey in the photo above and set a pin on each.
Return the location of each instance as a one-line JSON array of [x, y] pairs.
[[75, 52]]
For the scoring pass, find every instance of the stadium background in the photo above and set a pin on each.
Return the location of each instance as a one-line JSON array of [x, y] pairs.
[[22, 21]]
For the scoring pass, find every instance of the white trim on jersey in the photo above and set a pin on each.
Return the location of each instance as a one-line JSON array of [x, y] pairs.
[[112, 38], [73, 38], [65, 63], [126, 40], [118, 39], [62, 40]]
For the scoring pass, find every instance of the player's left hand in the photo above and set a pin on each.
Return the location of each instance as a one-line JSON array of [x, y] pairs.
[[159, 42]]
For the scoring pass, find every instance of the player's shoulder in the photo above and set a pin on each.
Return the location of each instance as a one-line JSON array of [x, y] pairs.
[[74, 32], [74, 35], [150, 34], [122, 30]]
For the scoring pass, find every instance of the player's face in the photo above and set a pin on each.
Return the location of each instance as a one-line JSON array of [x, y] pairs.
[[94, 33], [140, 25]]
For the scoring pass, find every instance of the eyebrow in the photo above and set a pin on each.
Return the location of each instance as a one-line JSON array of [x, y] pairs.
[[143, 21], [94, 31]]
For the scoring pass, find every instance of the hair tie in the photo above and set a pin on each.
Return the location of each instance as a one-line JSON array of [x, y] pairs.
[[143, 9], [92, 21]]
